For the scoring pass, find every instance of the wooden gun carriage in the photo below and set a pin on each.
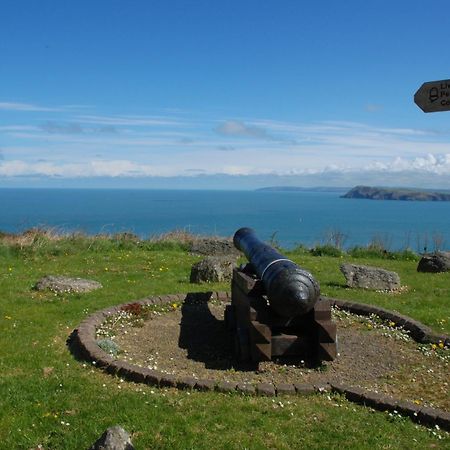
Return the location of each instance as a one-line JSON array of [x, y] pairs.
[[276, 309]]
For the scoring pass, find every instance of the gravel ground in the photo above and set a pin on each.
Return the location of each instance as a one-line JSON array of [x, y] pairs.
[[193, 341]]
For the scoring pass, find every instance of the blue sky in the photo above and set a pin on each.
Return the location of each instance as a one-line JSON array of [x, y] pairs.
[[221, 94]]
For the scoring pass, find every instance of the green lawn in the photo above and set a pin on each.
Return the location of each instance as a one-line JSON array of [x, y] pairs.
[[426, 297], [48, 398]]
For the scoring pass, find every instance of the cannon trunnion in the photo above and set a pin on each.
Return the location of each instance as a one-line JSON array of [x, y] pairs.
[[276, 309]]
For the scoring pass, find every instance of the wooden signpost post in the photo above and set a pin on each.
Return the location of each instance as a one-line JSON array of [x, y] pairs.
[[433, 96]]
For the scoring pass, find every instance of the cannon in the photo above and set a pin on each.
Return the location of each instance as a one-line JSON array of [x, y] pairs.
[[291, 291], [276, 309]]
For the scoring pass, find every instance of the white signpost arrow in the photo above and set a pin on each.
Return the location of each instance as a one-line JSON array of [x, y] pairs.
[[433, 96]]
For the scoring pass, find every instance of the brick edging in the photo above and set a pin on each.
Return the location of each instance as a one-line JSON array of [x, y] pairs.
[[83, 341]]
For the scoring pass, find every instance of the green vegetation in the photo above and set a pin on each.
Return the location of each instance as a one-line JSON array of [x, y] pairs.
[[48, 398], [424, 296], [371, 251], [376, 193]]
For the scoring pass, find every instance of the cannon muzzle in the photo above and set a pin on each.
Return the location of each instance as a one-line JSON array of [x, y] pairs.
[[291, 290]]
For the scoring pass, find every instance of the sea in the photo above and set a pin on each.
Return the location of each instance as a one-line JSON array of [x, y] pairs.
[[288, 219]]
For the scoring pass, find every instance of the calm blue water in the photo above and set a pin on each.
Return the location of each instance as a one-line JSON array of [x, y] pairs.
[[294, 217]]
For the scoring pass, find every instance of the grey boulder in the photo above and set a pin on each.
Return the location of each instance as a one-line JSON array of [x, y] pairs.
[[60, 284], [437, 262], [212, 269], [367, 277], [214, 247], [114, 438]]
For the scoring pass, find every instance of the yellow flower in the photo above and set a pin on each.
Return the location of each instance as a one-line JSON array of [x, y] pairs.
[[434, 347], [441, 344], [392, 324], [369, 326]]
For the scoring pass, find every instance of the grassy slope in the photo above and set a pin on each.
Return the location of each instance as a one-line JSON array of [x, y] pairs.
[[426, 298], [48, 398]]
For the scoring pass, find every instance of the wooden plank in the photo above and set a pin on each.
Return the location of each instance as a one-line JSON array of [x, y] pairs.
[[260, 342], [322, 310], [247, 284], [327, 351], [326, 331], [290, 345]]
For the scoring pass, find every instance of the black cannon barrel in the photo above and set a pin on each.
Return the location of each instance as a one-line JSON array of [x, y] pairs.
[[291, 291]]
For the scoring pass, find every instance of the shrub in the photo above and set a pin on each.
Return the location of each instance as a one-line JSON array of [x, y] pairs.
[[173, 240], [405, 255], [327, 250], [375, 251], [336, 238], [165, 245], [371, 251], [109, 346], [133, 308], [300, 248]]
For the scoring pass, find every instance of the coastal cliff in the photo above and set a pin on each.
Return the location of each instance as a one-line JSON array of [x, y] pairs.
[[375, 193]]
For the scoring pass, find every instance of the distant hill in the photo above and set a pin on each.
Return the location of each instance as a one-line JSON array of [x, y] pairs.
[[375, 193], [302, 189]]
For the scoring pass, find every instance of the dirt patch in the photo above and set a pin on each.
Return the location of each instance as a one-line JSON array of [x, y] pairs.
[[193, 341]]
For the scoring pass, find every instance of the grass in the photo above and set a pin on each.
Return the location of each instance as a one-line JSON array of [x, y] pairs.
[[50, 399]]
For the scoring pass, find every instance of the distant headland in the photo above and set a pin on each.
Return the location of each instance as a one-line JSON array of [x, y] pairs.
[[376, 193]]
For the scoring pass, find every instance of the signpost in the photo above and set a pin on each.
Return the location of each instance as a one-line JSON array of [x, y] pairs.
[[433, 96]]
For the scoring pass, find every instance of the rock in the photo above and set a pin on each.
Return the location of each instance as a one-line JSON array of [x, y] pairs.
[[114, 438], [375, 193], [437, 262], [214, 247], [57, 283], [367, 277], [212, 269]]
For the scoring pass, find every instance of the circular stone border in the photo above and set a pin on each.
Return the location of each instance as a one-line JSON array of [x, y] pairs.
[[83, 343]]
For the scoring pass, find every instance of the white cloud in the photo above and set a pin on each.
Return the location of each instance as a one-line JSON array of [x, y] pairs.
[[373, 107], [14, 106], [74, 128], [96, 168], [430, 164], [434, 164], [77, 146], [20, 128], [65, 128], [240, 129], [130, 120]]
